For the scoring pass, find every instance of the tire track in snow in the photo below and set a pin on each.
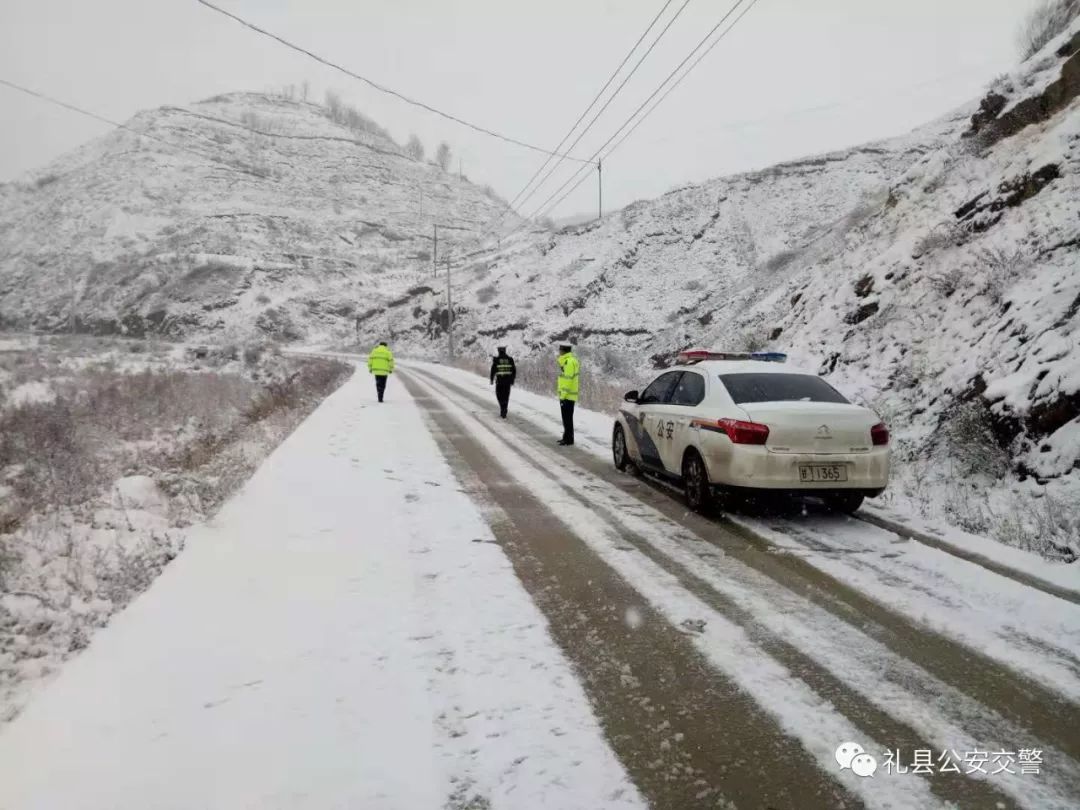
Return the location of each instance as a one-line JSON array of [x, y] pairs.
[[866, 682], [1053, 663], [1025, 703], [688, 737]]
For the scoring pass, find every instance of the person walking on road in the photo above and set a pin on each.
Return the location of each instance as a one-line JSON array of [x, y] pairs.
[[503, 374], [569, 370], [381, 363]]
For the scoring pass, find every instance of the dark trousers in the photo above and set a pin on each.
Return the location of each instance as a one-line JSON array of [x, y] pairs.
[[380, 385], [502, 393], [567, 407]]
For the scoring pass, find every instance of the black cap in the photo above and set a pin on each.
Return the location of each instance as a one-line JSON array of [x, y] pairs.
[[382, 342], [565, 347]]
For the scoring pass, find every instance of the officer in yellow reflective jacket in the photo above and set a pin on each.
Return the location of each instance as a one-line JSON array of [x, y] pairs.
[[381, 363], [569, 372]]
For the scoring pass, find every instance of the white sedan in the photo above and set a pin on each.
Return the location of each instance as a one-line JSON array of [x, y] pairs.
[[747, 421]]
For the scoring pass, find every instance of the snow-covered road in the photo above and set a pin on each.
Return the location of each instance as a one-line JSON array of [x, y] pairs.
[[416, 605]]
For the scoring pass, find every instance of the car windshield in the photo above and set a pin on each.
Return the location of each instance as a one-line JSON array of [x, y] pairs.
[[745, 388]]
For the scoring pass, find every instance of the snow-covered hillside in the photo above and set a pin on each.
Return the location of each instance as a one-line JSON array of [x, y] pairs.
[[268, 218], [935, 276]]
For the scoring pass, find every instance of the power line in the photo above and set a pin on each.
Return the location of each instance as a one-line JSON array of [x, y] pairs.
[[642, 106], [678, 81], [586, 111], [118, 125], [611, 98], [383, 89]]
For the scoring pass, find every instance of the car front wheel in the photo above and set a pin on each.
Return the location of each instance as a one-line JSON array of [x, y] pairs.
[[696, 483], [618, 448]]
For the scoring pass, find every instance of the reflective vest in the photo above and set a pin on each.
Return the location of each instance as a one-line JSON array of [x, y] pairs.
[[381, 361], [504, 366], [569, 369]]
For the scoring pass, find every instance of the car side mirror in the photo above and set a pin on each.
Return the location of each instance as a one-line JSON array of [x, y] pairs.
[[631, 396]]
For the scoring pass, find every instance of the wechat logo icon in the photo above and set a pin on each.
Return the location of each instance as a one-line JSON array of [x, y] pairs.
[[852, 755]]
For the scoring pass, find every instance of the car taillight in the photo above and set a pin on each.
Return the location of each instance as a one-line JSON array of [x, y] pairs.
[[741, 432], [879, 434]]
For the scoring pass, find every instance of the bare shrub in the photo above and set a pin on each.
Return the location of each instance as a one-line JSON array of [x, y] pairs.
[[1001, 266], [306, 386], [1049, 526], [750, 341], [348, 116], [253, 353], [694, 285], [414, 148], [122, 574], [945, 234], [486, 294], [1044, 23], [947, 282], [262, 298], [968, 435], [442, 156]]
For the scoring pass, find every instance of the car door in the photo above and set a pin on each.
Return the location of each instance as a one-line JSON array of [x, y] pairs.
[[651, 429], [687, 394]]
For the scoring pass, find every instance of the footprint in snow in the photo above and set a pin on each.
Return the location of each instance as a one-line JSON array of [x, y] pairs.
[[693, 625], [411, 497]]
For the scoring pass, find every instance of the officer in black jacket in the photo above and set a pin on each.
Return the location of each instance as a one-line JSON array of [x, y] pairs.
[[503, 374]]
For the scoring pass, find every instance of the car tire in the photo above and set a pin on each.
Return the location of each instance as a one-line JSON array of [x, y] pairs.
[[619, 452], [847, 502], [699, 496]]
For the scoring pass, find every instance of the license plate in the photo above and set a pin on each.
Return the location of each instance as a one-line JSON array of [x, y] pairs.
[[822, 473]]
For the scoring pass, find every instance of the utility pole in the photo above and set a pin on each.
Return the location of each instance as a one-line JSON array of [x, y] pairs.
[[600, 188], [449, 309]]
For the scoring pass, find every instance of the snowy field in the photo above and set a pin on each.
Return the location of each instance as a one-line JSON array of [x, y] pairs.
[[344, 633], [351, 630], [109, 450]]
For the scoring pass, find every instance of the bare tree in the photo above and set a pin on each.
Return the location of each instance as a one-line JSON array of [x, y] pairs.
[[414, 148], [1046, 21], [442, 156], [333, 105], [305, 90]]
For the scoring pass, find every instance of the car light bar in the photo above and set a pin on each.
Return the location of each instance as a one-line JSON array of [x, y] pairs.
[[689, 356]]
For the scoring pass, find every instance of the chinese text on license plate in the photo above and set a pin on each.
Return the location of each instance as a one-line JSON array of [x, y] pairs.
[[827, 473]]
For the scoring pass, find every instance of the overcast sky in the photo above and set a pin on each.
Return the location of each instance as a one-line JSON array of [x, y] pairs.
[[794, 77]]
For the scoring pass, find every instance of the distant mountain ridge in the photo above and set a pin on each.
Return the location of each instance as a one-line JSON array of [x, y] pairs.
[[270, 219]]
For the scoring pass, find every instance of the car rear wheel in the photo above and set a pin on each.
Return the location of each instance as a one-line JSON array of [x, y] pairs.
[[848, 502], [696, 483], [618, 448]]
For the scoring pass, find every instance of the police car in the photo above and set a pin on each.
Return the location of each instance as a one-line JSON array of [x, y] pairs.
[[749, 422]]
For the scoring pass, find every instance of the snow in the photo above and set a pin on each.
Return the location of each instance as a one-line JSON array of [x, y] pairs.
[[32, 392], [1023, 629], [853, 657], [140, 492], [344, 633]]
